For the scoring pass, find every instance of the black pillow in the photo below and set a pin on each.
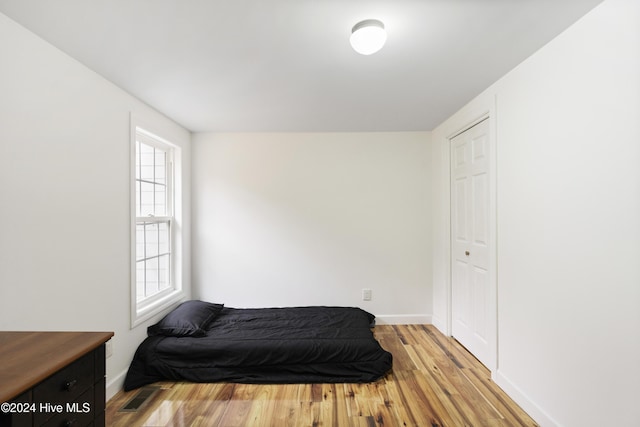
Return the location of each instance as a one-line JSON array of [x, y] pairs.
[[189, 319]]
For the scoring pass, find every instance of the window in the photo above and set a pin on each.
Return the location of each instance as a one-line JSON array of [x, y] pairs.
[[154, 284]]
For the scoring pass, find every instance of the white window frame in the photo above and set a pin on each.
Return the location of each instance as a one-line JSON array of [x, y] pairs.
[[145, 309]]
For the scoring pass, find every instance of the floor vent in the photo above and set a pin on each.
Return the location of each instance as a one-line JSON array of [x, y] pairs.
[[137, 401]]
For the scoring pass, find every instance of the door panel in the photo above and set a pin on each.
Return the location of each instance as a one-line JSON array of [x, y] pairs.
[[462, 294], [480, 292], [470, 290], [480, 211], [461, 211]]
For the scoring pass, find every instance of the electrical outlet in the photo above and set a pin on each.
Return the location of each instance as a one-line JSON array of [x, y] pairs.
[[108, 348], [366, 295]]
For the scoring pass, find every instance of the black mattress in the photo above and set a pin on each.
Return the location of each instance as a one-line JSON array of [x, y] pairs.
[[267, 345]]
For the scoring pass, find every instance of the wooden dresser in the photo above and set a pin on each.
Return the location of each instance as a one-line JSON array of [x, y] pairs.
[[52, 378]]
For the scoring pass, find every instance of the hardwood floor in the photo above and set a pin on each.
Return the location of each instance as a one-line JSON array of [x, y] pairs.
[[434, 382]]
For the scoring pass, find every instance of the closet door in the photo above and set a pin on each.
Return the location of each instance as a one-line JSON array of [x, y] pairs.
[[470, 290]]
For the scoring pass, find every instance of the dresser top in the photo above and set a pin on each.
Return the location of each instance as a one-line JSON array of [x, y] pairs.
[[27, 358]]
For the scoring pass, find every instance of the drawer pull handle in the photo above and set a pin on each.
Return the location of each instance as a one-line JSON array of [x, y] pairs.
[[70, 385]]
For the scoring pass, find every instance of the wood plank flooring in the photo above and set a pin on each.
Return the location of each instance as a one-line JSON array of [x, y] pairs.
[[434, 382]]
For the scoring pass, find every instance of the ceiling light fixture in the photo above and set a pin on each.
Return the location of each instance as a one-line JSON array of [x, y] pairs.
[[368, 36]]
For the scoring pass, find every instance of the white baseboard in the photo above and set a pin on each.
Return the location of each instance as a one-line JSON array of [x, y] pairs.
[[439, 324], [115, 384], [530, 407], [403, 319]]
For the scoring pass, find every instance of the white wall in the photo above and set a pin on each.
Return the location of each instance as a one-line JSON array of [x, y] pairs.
[[64, 190], [568, 209], [287, 219], [312, 218]]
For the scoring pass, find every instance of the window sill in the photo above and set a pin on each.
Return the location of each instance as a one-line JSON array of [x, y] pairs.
[[140, 315]]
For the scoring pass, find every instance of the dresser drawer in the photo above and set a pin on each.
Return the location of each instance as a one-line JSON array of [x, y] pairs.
[[60, 376], [81, 412], [18, 419], [64, 386]]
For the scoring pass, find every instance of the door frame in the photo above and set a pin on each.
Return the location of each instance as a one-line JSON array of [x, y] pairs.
[[461, 122]]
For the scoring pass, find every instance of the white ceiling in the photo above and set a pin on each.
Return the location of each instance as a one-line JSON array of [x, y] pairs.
[[286, 65]]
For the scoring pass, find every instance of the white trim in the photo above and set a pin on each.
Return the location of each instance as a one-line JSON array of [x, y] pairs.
[[132, 227], [151, 139], [440, 324], [146, 312], [115, 384], [469, 125], [403, 319], [529, 406], [139, 313], [471, 115]]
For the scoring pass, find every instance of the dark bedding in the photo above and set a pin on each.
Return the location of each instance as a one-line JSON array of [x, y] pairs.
[[267, 345]]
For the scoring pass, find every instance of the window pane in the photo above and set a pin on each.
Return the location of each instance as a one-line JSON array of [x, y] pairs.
[[146, 172], [163, 238], [147, 195], [153, 255], [159, 167], [146, 162], [163, 272], [140, 279], [146, 154], [160, 201], [151, 240], [151, 173], [151, 272], [140, 244]]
